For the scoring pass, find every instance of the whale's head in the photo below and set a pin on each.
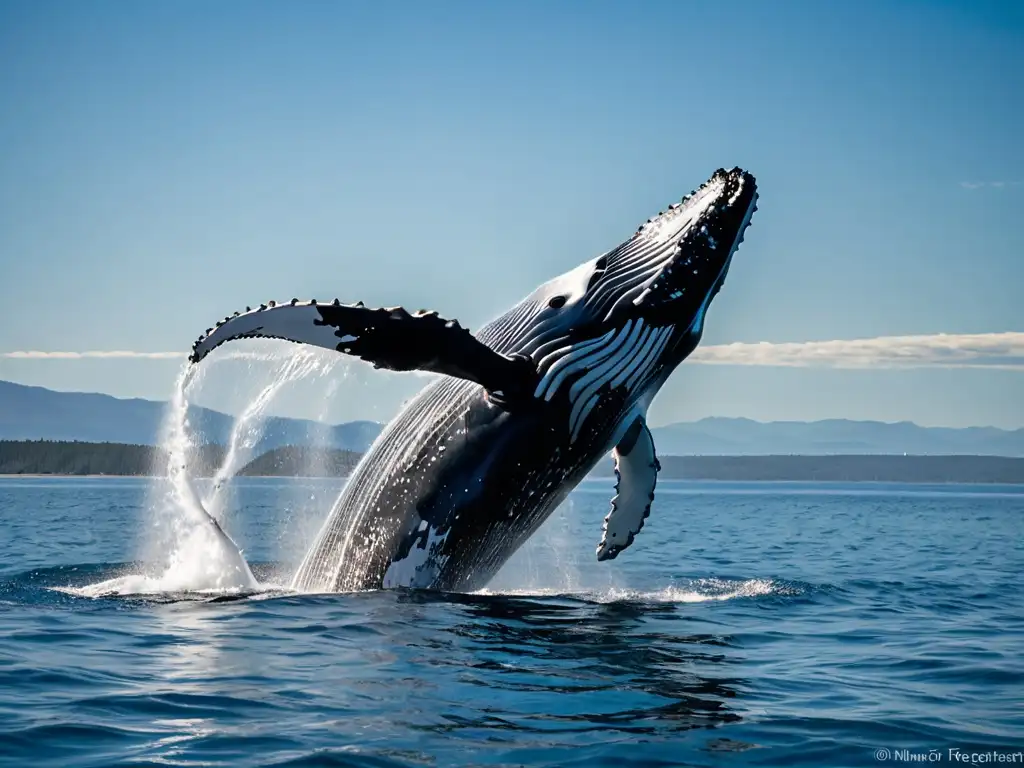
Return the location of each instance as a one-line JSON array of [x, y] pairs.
[[619, 324], [670, 270]]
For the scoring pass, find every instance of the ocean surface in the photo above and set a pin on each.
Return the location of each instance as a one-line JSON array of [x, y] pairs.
[[781, 624]]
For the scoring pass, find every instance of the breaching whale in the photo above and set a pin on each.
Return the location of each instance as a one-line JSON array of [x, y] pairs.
[[475, 463]]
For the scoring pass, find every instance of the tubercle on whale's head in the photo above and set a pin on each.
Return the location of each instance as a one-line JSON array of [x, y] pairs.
[[675, 263]]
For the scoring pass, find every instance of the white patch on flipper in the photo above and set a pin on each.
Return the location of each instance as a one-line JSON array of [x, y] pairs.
[[637, 476], [300, 323], [421, 567]]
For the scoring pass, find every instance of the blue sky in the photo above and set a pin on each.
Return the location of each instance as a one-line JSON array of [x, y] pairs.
[[162, 165]]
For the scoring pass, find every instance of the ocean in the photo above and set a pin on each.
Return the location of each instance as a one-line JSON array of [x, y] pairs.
[[784, 624]]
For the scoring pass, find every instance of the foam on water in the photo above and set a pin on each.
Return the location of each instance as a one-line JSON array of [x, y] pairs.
[[184, 580], [697, 591]]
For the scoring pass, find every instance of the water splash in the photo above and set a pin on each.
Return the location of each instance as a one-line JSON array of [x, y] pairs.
[[248, 428], [552, 562], [548, 561], [185, 546], [188, 550], [199, 553], [191, 546], [308, 504]]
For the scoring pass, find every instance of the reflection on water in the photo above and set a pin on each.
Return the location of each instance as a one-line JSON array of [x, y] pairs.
[[675, 680], [379, 668]]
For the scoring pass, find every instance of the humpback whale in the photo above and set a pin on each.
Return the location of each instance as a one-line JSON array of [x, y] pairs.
[[476, 462]]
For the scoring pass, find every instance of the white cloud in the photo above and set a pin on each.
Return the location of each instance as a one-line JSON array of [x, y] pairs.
[[942, 350], [113, 354], [992, 184], [963, 350]]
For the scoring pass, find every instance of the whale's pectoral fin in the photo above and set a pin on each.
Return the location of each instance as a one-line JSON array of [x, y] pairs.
[[388, 338], [636, 472]]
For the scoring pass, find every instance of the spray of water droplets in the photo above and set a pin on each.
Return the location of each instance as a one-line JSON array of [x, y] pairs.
[[187, 546]]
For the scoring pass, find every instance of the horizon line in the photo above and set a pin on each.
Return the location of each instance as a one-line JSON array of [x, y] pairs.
[[995, 351]]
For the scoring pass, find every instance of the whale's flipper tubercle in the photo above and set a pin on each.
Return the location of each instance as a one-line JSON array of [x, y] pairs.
[[636, 472], [388, 338]]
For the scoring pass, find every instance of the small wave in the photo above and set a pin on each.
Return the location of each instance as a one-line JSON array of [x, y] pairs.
[[696, 591]]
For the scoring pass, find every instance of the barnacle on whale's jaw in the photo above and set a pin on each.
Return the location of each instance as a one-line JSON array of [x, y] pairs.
[[678, 259]]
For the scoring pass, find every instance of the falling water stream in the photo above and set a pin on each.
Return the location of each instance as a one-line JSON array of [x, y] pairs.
[[187, 546], [248, 428]]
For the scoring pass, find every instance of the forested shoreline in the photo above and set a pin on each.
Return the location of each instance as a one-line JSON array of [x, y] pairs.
[[54, 457], [46, 457]]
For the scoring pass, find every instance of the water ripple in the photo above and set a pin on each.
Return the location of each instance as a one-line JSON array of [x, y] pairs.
[[788, 629]]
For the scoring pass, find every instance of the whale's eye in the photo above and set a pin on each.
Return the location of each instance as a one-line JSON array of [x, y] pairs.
[[601, 263], [557, 302]]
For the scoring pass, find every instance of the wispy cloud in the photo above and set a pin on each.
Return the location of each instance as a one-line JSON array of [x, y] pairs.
[[989, 184], [942, 350], [963, 350], [108, 355]]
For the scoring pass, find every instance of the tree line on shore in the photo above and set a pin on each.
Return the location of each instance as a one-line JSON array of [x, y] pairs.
[[47, 457], [57, 457]]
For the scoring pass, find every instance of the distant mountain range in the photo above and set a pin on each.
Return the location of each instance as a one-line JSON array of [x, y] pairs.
[[32, 413], [35, 413], [744, 437]]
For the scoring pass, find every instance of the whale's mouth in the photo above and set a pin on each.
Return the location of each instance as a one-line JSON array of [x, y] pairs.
[[675, 263]]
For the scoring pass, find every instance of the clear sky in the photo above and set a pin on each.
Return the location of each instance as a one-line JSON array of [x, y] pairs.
[[164, 164]]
